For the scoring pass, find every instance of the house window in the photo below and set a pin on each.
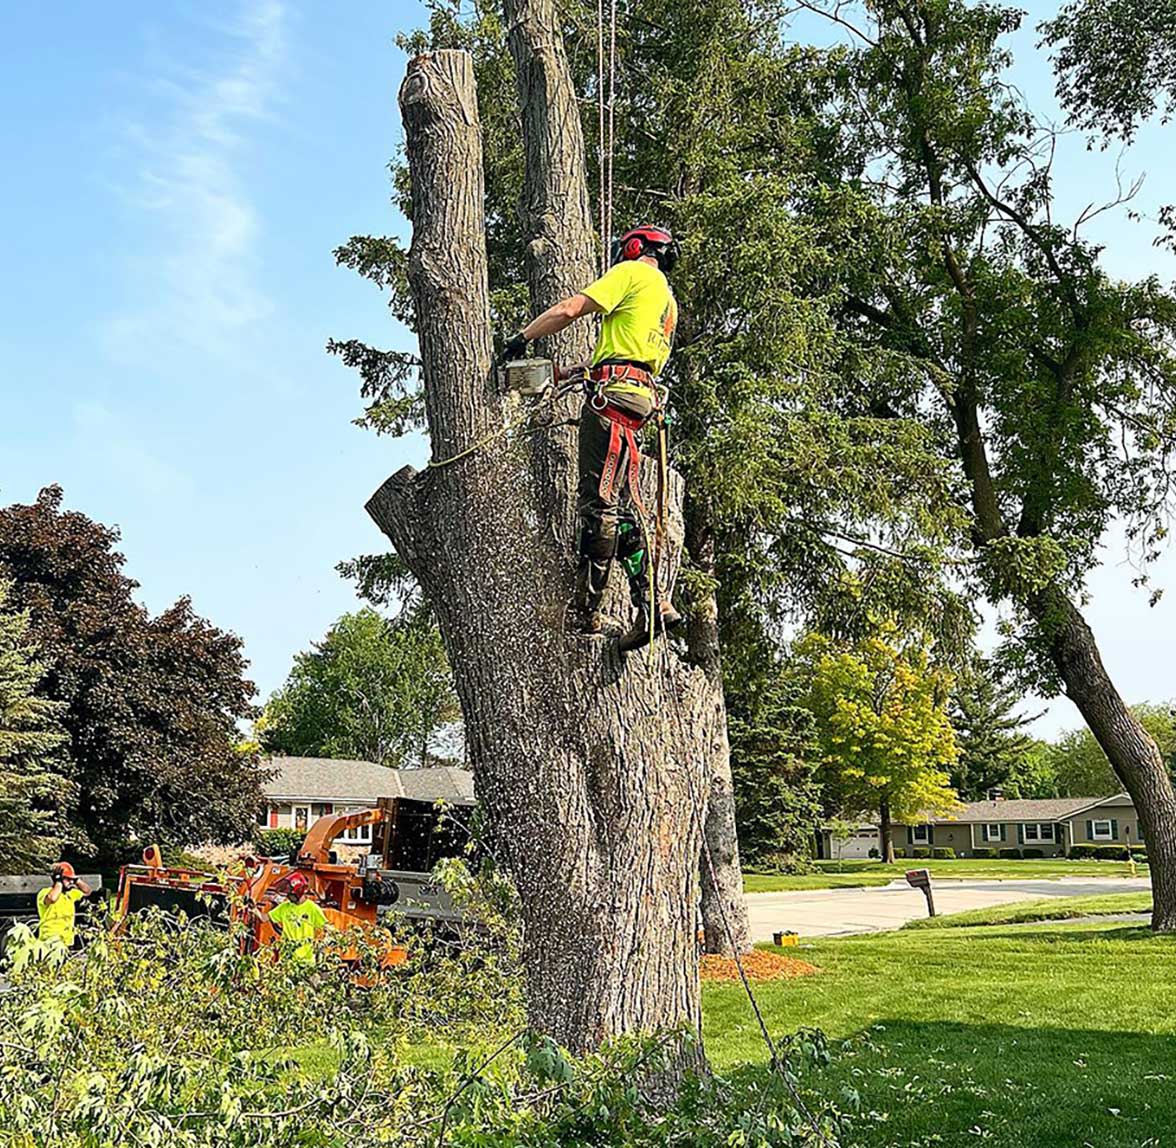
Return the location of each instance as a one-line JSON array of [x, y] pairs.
[[263, 816], [992, 832], [1039, 832], [920, 834], [1101, 831]]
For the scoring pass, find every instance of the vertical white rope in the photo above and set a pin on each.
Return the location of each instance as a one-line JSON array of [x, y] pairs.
[[600, 141], [612, 135]]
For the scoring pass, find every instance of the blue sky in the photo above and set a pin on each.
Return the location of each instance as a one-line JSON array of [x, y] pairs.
[[177, 177]]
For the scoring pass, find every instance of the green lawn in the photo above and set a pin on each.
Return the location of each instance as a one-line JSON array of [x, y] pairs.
[[856, 874], [1058, 1036], [1046, 909]]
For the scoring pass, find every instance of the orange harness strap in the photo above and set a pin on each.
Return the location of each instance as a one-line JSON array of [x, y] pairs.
[[622, 424]]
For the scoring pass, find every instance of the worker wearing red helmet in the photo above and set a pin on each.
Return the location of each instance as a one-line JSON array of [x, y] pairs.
[[57, 905], [636, 336], [297, 921]]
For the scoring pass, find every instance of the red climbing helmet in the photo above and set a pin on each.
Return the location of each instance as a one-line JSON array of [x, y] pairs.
[[297, 884], [647, 240]]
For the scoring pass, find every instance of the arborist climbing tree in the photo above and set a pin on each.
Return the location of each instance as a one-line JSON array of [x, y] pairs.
[[636, 336]]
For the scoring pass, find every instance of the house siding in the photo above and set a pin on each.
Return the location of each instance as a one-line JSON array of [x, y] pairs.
[[1126, 825]]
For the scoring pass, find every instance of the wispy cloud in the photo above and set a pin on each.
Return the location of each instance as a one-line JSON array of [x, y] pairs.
[[193, 280]]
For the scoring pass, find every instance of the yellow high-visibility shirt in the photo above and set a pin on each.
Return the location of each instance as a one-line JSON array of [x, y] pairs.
[[640, 316], [298, 923], [57, 919]]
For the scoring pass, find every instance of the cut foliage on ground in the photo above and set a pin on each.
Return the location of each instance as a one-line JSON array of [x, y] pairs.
[[759, 965], [859, 874], [1059, 1035], [1045, 909]]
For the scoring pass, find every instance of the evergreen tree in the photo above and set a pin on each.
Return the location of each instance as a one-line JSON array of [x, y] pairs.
[[989, 733], [33, 792]]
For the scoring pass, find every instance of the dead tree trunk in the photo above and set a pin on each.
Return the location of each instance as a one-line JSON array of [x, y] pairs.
[[590, 783], [725, 925]]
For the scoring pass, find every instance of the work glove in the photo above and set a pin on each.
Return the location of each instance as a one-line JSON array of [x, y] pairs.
[[514, 348]]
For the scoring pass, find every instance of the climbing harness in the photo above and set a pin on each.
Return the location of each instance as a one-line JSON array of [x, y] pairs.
[[623, 428]]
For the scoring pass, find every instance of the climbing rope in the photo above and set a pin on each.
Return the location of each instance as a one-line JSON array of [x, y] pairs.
[[606, 125], [777, 1063]]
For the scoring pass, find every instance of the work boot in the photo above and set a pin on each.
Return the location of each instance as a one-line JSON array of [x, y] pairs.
[[638, 636], [591, 582]]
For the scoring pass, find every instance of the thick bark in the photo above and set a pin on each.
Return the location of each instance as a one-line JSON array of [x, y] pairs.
[[886, 832], [556, 219], [1132, 752], [587, 765], [725, 926]]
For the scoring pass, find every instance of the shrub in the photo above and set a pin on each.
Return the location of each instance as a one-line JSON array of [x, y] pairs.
[[112, 1052], [874, 855], [1139, 852], [899, 853], [920, 851], [278, 842], [1112, 853], [1011, 854], [1031, 852], [1081, 852], [988, 854], [943, 853]]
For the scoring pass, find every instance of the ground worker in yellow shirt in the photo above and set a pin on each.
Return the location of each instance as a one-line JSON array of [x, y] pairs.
[[636, 336], [297, 921], [57, 905]]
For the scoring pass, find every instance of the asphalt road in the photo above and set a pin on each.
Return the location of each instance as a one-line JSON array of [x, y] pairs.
[[828, 912]]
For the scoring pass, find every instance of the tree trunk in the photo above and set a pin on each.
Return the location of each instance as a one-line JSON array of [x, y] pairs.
[[588, 766], [725, 926], [557, 221], [1131, 750], [886, 832]]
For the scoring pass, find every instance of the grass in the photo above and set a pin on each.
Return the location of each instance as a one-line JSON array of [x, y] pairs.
[[1058, 1036], [858, 874], [1048, 909]]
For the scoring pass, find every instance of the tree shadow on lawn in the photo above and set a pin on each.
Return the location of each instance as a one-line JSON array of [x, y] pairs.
[[943, 1083]]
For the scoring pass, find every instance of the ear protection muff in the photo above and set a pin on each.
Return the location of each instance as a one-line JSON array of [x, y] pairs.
[[645, 241]]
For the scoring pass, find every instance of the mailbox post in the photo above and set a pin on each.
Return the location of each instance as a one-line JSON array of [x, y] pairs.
[[921, 879]]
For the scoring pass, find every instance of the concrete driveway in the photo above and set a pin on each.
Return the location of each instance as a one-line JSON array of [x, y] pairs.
[[828, 912]]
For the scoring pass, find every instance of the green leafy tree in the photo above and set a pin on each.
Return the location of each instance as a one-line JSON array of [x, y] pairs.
[[373, 689], [989, 732], [151, 703], [883, 731], [1052, 380], [1034, 772], [1116, 62], [33, 792], [1081, 767]]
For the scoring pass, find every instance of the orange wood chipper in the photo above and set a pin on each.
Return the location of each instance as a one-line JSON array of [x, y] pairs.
[[407, 833]]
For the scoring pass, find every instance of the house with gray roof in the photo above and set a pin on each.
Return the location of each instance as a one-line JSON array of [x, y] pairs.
[[1051, 826], [303, 789]]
